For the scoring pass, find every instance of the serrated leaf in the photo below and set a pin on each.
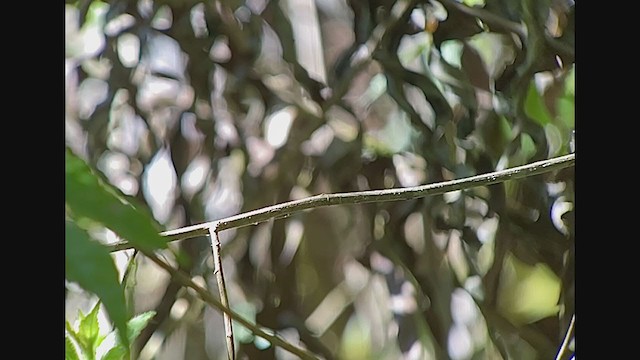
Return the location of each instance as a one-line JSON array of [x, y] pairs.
[[116, 353], [534, 106], [89, 264], [89, 330], [137, 323], [70, 352], [134, 327], [70, 329], [73, 335], [88, 196]]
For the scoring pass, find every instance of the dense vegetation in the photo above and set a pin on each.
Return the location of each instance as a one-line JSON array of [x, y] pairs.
[[183, 112]]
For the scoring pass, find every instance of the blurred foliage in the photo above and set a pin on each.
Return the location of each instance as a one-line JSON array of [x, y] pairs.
[[202, 110]]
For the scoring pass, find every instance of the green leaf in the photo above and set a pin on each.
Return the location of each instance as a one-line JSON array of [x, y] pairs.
[[88, 196], [527, 148], [565, 104], [116, 353], [70, 352], [494, 132], [134, 327], [451, 51], [73, 335], [129, 280], [570, 83], [96, 14], [528, 293], [89, 264], [567, 111], [137, 323], [89, 330], [554, 139], [534, 106]]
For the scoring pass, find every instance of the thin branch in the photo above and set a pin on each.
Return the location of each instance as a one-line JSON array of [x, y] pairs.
[[285, 209], [492, 20], [222, 289], [567, 338], [205, 295]]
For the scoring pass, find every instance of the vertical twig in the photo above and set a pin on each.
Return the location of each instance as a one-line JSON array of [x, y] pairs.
[[206, 296], [567, 338], [222, 289]]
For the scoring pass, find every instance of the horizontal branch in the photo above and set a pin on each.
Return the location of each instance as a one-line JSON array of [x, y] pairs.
[[285, 209]]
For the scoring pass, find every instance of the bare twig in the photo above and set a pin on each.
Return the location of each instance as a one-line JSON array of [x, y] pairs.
[[285, 209], [211, 300], [222, 289], [489, 18], [567, 338]]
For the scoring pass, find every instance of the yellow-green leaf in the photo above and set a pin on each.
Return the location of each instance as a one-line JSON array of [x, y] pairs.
[[89, 264]]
